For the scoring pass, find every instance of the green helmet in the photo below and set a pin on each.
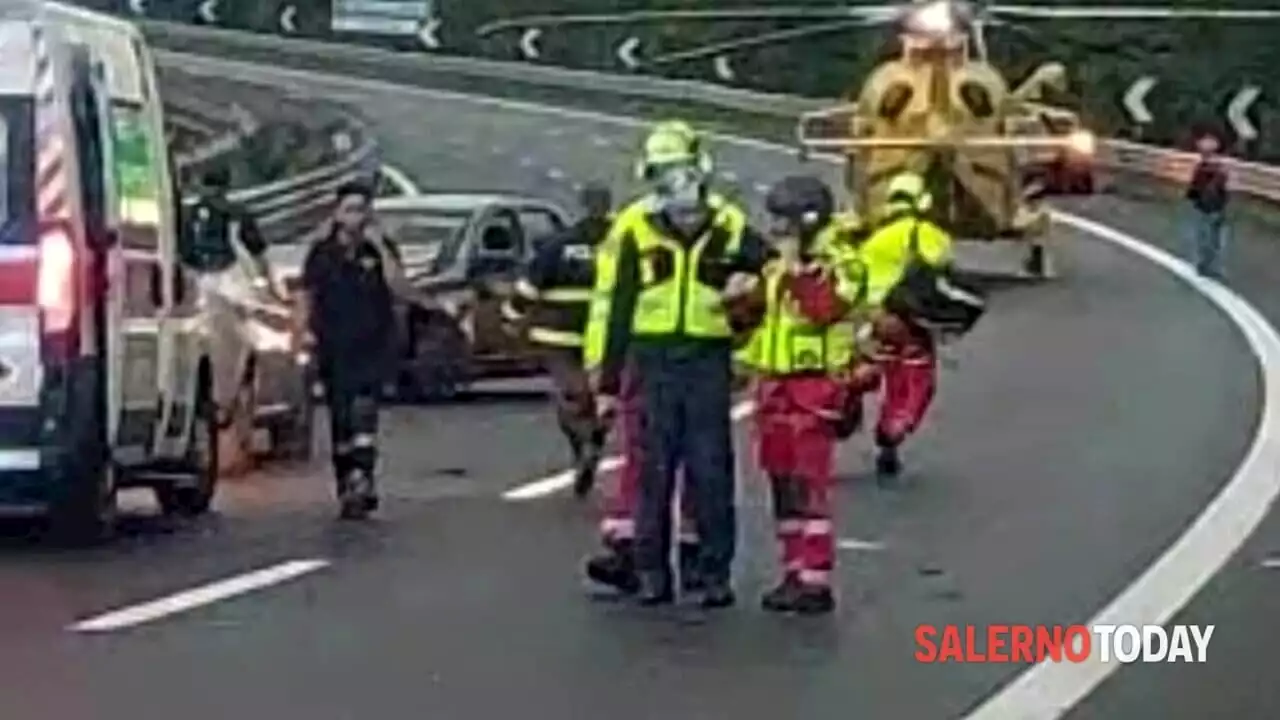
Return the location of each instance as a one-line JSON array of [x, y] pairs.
[[672, 142]]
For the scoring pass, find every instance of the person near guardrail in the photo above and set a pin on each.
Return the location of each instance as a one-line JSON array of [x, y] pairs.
[[351, 279], [679, 286], [550, 309], [1208, 194]]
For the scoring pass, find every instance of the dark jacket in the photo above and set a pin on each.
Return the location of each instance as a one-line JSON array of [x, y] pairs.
[[1207, 190], [562, 261], [206, 228], [352, 306]]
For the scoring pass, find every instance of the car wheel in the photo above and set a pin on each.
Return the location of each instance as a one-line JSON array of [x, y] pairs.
[[195, 496], [439, 363]]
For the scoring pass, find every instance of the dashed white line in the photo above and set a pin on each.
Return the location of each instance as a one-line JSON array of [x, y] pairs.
[[187, 600], [563, 480], [1271, 564], [555, 174], [856, 545], [526, 162]]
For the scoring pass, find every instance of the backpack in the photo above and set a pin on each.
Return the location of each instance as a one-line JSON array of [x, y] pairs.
[[932, 298], [212, 237]]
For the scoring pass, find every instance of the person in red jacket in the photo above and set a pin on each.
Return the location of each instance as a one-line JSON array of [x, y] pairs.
[[801, 353]]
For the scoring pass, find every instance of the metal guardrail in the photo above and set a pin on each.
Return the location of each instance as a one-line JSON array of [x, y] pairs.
[[291, 204], [1254, 179]]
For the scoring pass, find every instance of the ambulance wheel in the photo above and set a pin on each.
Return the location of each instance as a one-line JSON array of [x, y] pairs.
[[84, 514], [194, 496]]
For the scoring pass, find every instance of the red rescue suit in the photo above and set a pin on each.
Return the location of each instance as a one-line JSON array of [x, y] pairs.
[[906, 354], [908, 363], [801, 353]]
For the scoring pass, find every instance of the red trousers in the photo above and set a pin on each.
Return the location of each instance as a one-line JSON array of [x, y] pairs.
[[621, 498], [908, 365], [796, 442]]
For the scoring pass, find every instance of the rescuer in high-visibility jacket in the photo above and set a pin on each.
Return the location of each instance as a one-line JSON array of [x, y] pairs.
[[550, 307], [615, 567], [801, 355], [907, 352], [678, 288]]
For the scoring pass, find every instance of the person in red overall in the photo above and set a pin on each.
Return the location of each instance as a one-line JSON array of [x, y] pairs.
[[906, 350], [801, 355]]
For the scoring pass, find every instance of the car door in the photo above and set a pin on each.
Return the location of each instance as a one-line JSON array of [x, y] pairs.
[[497, 257]]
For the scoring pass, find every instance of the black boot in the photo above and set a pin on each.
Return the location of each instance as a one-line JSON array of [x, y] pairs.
[[888, 464], [785, 597], [587, 460], [691, 580], [717, 595], [655, 589], [615, 569], [814, 600], [356, 496]]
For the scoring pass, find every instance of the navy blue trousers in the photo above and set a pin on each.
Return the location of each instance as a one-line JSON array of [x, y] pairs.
[[686, 395]]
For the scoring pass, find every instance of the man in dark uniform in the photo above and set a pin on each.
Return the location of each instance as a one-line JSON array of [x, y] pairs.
[[551, 303], [216, 223], [349, 284]]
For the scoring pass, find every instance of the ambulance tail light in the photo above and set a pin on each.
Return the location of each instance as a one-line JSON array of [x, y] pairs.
[[56, 292]]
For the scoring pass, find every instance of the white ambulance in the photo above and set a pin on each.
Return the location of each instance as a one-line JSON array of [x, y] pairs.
[[104, 377]]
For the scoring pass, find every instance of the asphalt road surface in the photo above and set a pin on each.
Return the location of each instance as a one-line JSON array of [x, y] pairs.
[[1086, 424]]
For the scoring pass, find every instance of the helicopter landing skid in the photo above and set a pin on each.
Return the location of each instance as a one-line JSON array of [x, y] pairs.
[[1005, 259]]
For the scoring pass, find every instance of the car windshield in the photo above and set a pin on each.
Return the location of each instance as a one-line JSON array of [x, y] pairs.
[[431, 233]]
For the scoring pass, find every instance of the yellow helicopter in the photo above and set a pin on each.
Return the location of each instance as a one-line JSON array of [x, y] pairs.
[[989, 150]]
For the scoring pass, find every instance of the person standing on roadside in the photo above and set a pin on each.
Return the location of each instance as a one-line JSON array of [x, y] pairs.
[[1207, 192], [350, 281]]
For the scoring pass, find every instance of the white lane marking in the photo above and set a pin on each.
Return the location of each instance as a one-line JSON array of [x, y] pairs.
[[1050, 690], [198, 596], [401, 180], [761, 188], [1271, 564], [555, 174], [562, 480], [1170, 582], [601, 141], [856, 545], [527, 162]]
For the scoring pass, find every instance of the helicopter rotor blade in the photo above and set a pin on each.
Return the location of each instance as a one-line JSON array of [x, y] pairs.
[[777, 37], [1127, 12], [796, 12]]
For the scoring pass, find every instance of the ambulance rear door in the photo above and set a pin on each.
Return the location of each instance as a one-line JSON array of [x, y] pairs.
[[21, 373]]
